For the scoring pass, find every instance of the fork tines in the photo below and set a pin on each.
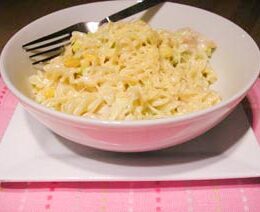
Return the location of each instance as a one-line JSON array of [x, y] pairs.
[[51, 45]]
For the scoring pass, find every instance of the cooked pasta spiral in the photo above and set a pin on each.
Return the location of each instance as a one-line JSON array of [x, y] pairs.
[[129, 71]]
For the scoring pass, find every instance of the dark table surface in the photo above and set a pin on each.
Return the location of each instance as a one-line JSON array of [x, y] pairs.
[[17, 13]]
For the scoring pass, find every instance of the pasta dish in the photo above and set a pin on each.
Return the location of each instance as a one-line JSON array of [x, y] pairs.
[[129, 71]]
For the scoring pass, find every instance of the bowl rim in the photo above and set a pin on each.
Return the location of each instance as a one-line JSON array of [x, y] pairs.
[[125, 123]]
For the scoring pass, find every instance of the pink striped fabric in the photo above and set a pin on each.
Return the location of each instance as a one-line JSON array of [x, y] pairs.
[[218, 195]]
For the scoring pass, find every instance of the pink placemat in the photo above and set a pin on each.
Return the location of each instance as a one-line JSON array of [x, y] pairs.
[[218, 195]]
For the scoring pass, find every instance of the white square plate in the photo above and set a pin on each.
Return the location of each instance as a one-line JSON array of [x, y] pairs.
[[30, 152]]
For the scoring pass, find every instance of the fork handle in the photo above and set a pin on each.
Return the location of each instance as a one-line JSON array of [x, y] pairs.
[[131, 10]]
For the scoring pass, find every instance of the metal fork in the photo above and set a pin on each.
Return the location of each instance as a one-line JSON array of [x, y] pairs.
[[45, 45]]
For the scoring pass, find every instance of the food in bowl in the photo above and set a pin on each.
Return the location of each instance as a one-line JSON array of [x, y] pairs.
[[129, 71], [237, 68]]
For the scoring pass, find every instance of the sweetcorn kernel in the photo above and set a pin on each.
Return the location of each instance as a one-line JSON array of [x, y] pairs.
[[71, 62], [49, 92]]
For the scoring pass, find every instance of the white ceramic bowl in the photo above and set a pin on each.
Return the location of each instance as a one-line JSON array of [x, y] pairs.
[[236, 61]]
